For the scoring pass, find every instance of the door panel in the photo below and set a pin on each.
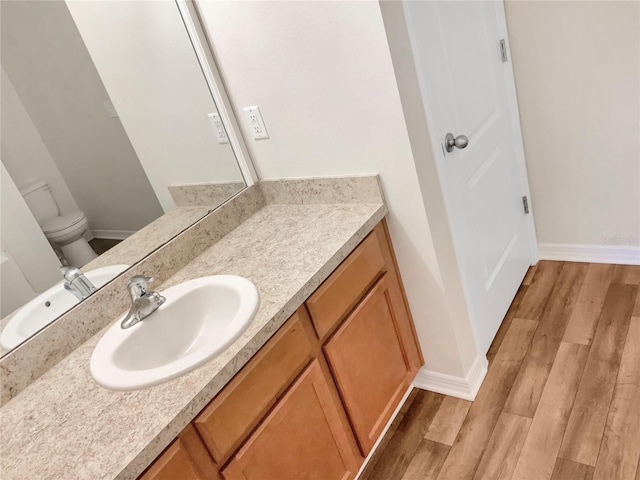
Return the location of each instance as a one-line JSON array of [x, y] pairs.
[[476, 100], [464, 89], [492, 205]]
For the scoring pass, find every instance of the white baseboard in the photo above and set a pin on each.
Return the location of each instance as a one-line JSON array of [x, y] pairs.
[[465, 388], [112, 234], [621, 254]]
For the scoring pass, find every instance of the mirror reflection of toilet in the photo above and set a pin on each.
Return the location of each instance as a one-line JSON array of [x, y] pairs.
[[64, 231]]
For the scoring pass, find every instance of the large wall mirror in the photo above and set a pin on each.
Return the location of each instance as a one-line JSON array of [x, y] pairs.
[[111, 145]]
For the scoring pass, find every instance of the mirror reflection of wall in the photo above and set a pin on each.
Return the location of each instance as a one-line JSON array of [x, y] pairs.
[[107, 126]]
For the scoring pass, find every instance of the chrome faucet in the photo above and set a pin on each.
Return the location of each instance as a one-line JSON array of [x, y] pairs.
[[143, 301], [76, 282]]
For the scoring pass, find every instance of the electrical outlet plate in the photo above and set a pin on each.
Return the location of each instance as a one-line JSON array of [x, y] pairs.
[[256, 124], [218, 127]]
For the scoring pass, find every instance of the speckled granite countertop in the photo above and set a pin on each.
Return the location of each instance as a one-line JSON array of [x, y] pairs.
[[65, 426], [152, 236]]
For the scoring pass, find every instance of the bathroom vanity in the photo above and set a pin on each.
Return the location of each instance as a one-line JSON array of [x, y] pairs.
[[311, 382], [319, 370], [317, 395]]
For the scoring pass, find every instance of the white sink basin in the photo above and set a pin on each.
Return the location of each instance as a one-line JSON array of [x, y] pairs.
[[48, 306], [199, 320]]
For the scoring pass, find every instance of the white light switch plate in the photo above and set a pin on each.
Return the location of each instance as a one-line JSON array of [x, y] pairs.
[[218, 127], [256, 124]]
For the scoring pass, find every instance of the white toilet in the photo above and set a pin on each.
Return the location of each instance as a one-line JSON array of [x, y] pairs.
[[64, 231]]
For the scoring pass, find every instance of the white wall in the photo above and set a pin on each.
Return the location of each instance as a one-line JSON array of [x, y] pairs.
[[52, 73], [23, 239], [322, 75], [148, 66], [577, 71], [24, 154], [15, 290]]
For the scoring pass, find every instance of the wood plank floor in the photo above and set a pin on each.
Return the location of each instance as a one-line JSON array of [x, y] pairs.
[[561, 400]]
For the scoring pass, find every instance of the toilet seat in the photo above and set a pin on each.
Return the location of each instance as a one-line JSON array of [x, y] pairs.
[[63, 222], [66, 228]]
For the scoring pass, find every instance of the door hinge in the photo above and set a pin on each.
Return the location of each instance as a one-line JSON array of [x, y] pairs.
[[525, 204], [503, 51]]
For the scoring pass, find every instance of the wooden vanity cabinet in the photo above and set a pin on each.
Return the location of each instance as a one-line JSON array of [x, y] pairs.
[[302, 438], [370, 363], [344, 288], [313, 401], [231, 416], [373, 353], [185, 459]]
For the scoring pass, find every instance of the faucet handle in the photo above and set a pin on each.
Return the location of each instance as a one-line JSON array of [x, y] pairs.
[[70, 273], [138, 286]]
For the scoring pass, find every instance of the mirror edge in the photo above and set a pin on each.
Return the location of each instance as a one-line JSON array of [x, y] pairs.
[[204, 52]]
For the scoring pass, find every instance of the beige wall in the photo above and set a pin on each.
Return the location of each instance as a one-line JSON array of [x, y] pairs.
[[23, 152], [577, 74], [15, 290], [23, 239], [52, 73], [322, 75]]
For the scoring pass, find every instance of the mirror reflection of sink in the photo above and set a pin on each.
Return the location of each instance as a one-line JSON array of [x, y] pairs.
[[48, 306], [199, 320]]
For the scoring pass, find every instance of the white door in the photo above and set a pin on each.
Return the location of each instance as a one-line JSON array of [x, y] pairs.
[[468, 90]]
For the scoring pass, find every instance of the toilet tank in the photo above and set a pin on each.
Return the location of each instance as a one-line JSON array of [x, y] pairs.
[[40, 201]]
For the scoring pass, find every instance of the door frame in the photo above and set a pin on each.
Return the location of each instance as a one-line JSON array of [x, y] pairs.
[[516, 127]]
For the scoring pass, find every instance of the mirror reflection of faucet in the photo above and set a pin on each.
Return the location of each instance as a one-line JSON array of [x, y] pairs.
[[76, 282]]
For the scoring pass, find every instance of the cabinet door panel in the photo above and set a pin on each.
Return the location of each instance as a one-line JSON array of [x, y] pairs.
[[303, 438], [240, 406], [369, 361], [185, 459], [339, 293]]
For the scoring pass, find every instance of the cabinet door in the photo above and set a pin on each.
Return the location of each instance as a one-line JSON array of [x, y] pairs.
[[244, 402], [303, 438], [372, 361], [185, 459], [344, 288]]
